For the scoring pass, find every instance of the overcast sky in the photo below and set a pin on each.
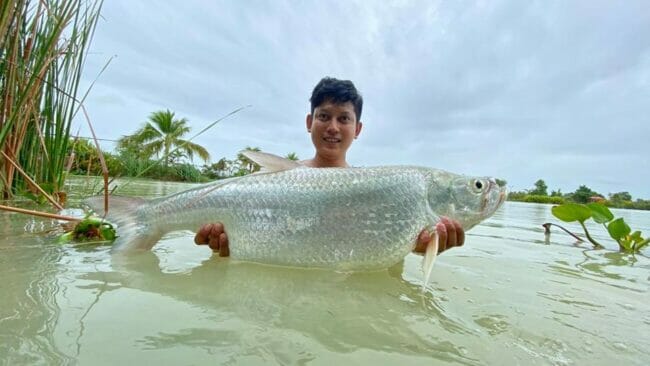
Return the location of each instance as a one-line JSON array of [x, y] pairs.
[[521, 90]]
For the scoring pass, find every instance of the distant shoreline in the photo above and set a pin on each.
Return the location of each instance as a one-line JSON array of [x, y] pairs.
[[643, 205]]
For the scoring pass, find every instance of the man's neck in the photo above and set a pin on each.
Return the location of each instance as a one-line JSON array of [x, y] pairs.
[[320, 162]]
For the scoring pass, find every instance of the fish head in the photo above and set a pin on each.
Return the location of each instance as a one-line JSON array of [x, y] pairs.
[[469, 200]]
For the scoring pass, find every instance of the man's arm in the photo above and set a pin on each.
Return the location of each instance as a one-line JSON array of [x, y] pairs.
[[450, 234]]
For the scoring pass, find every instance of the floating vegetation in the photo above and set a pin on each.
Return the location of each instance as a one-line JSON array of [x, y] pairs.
[[90, 229], [618, 229]]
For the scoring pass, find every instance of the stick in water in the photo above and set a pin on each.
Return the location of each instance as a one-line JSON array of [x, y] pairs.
[[38, 213]]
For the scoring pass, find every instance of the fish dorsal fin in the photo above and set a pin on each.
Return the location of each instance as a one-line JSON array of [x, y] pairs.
[[270, 163]]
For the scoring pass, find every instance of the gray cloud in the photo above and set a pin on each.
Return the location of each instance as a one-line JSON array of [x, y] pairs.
[[520, 90]]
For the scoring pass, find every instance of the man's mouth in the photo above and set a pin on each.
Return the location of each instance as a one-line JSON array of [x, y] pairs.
[[331, 139]]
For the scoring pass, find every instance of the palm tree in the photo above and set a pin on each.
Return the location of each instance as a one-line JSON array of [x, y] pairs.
[[163, 134], [217, 170], [292, 156]]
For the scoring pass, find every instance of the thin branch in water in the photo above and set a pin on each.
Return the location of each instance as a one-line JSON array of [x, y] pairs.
[[547, 230], [72, 155], [101, 159], [592, 240], [106, 186], [49, 198], [39, 213]]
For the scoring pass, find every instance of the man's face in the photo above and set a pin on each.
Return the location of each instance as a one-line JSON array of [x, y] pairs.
[[333, 128]]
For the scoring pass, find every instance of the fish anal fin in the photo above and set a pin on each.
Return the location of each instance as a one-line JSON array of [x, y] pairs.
[[429, 259]]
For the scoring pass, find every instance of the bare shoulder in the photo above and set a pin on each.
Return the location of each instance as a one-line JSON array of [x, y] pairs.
[[308, 163]]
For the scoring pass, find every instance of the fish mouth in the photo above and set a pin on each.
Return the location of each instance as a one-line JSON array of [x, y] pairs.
[[503, 193], [495, 194]]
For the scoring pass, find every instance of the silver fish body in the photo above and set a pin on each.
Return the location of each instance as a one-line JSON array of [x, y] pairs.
[[340, 218]]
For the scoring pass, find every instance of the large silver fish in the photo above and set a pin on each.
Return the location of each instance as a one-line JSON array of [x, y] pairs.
[[340, 218]]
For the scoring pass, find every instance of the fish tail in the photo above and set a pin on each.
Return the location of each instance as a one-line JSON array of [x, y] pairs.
[[429, 259], [134, 231]]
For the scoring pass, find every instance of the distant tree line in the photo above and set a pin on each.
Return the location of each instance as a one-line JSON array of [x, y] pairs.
[[158, 150], [539, 194], [132, 162]]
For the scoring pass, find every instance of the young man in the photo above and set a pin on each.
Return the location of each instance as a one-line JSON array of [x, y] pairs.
[[334, 122]]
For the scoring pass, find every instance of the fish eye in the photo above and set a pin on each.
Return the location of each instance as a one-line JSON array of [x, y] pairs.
[[478, 185]]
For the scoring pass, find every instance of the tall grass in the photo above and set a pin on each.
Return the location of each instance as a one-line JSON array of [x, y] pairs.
[[43, 46]]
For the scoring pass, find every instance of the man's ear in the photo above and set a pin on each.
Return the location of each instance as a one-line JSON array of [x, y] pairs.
[[357, 129], [308, 122]]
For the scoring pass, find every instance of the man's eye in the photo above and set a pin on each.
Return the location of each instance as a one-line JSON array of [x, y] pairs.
[[322, 116]]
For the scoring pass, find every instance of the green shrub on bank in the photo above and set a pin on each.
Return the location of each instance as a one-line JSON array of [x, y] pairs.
[[188, 173], [543, 199]]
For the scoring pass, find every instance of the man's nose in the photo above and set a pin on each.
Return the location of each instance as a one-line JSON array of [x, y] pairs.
[[333, 126]]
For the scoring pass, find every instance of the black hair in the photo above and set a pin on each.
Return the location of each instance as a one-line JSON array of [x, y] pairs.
[[338, 92]]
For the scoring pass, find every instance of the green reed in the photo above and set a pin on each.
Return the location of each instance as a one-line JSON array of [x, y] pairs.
[[43, 45]]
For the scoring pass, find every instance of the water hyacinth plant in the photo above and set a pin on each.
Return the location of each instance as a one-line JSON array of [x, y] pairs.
[[618, 229], [90, 229]]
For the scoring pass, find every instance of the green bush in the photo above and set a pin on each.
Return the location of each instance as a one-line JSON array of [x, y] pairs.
[[189, 173], [543, 199]]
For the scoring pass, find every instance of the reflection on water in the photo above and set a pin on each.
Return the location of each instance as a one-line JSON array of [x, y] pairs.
[[345, 312], [139, 187], [28, 307], [501, 299]]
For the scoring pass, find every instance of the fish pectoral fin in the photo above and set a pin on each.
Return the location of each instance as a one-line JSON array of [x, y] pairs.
[[429, 259], [270, 163]]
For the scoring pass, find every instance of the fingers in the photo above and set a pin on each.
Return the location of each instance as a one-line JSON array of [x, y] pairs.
[[215, 237], [423, 240], [460, 234], [214, 243], [216, 229], [202, 235], [443, 235], [454, 235], [452, 238], [224, 250]]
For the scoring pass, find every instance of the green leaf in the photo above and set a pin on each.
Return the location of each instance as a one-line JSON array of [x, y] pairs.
[[626, 244], [107, 232], [570, 212], [640, 245], [636, 236], [600, 213], [66, 238], [618, 229]]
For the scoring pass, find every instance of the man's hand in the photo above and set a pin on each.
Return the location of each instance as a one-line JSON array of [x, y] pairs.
[[215, 237], [450, 234]]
